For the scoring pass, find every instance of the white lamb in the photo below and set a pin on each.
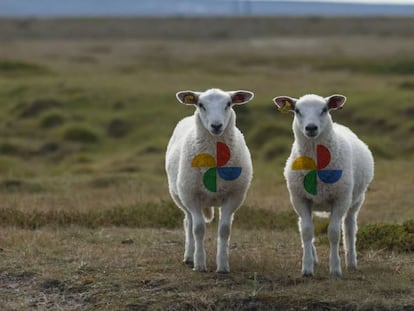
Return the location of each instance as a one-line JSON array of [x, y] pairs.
[[329, 170], [208, 164]]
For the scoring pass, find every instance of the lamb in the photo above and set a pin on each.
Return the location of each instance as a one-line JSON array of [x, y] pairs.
[[208, 164], [329, 170]]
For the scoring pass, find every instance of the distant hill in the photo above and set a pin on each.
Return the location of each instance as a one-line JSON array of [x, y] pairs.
[[54, 8]]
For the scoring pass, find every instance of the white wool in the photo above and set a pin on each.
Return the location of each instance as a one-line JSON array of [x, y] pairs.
[[199, 134], [341, 199]]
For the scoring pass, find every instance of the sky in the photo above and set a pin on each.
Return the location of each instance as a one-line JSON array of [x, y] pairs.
[[56, 8], [369, 1], [356, 1]]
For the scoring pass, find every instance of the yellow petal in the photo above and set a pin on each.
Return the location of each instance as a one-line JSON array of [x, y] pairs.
[[304, 163], [203, 160]]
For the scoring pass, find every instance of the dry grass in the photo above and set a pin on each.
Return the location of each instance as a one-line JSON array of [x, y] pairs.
[[131, 269]]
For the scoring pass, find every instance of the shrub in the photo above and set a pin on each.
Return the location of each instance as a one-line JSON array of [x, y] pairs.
[[52, 119], [18, 67], [7, 148], [80, 133], [35, 107], [393, 237]]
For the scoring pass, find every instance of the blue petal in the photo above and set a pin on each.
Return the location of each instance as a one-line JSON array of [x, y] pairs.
[[330, 176], [229, 173]]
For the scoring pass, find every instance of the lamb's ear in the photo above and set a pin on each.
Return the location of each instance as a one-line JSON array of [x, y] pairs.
[[285, 103], [188, 97], [335, 102], [241, 97]]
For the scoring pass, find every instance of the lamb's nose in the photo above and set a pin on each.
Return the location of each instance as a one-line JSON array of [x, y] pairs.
[[311, 128], [217, 127]]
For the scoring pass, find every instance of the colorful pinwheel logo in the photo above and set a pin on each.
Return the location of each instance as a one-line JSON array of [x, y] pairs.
[[210, 176], [323, 157]]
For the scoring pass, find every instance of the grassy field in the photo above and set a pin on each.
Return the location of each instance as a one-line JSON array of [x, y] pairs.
[[87, 108]]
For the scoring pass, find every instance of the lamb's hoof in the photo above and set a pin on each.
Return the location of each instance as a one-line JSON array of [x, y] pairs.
[[200, 269], [188, 262], [223, 271], [352, 269], [336, 274], [307, 274]]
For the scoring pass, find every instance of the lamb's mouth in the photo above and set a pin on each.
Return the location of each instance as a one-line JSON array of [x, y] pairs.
[[311, 135], [216, 132]]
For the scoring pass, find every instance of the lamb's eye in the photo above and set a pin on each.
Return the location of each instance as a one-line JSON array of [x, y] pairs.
[[228, 105], [201, 106], [297, 111], [324, 110]]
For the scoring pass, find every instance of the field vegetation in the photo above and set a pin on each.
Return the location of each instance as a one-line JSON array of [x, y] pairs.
[[87, 108]]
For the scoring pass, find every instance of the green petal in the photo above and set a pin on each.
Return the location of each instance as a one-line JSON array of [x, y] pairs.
[[210, 179], [310, 182]]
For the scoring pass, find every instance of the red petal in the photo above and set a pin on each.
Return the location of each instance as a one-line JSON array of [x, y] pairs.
[[323, 156], [223, 154]]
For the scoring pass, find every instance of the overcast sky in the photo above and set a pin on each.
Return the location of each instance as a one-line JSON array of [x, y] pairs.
[[56, 8], [370, 1], [355, 1]]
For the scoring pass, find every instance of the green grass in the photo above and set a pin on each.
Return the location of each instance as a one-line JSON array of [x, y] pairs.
[[148, 215], [15, 67], [80, 133], [52, 119], [391, 237]]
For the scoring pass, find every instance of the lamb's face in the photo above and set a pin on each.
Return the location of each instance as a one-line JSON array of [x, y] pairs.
[[311, 116], [311, 112], [214, 109], [214, 106]]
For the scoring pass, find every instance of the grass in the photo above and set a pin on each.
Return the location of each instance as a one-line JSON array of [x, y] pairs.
[[86, 220], [13, 67], [80, 133], [393, 237]]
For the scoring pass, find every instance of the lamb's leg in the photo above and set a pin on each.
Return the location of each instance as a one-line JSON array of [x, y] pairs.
[[350, 229], [189, 240], [314, 253], [334, 232], [198, 233], [188, 231], [306, 231], [303, 209], [223, 238]]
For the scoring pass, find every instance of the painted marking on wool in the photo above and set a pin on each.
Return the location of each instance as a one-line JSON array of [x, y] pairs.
[[317, 169], [216, 166]]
